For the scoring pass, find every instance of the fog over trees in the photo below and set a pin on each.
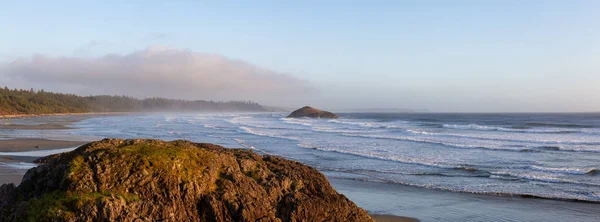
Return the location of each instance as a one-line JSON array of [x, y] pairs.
[[19, 101]]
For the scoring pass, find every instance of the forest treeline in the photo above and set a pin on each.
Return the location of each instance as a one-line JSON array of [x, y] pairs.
[[19, 101]]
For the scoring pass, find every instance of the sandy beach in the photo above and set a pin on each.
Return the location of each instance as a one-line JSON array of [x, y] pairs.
[[14, 159], [382, 200], [392, 218], [435, 205], [12, 168], [48, 126], [29, 144]]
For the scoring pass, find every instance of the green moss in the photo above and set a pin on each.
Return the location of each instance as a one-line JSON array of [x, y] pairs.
[[76, 167], [50, 207], [176, 160], [60, 205], [254, 175]]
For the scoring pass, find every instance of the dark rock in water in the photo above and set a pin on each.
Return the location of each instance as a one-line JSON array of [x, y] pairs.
[[308, 111], [153, 180]]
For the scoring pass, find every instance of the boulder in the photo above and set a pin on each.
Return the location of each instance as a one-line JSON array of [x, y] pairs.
[[154, 180], [308, 111]]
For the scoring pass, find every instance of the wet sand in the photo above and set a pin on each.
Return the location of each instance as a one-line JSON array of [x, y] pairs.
[[13, 167], [392, 218], [383, 201], [46, 126], [10, 176], [435, 205], [7, 159], [29, 144]]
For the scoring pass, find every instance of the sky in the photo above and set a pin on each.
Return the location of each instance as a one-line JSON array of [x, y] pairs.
[[441, 56]]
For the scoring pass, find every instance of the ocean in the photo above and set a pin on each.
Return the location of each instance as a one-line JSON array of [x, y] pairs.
[[551, 156]]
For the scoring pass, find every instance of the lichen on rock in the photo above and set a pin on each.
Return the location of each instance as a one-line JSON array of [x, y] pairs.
[[153, 180]]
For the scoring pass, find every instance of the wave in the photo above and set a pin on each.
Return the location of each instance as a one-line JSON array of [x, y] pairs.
[[537, 177], [333, 130], [470, 169], [497, 128], [446, 144], [591, 143], [216, 127], [383, 125], [243, 144], [297, 121], [369, 172], [549, 147], [400, 159], [236, 120], [519, 148], [239, 121], [557, 125], [589, 197], [19, 165], [560, 148], [272, 135], [565, 170]]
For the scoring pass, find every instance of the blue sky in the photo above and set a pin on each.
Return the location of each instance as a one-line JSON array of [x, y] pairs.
[[466, 56]]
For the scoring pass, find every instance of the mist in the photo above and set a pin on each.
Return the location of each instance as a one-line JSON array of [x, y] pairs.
[[156, 72]]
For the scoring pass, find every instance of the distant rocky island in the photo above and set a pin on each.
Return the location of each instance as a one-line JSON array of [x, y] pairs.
[[154, 180], [31, 102], [308, 111]]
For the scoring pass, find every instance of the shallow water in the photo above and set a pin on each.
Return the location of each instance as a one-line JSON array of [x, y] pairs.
[[376, 159], [545, 155]]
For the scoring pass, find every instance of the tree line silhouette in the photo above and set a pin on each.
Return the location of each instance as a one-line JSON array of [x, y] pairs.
[[19, 101]]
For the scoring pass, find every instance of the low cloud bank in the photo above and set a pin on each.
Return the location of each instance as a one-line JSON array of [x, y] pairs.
[[154, 72]]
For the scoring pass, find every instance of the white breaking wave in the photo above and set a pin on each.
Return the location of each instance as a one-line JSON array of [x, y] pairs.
[[334, 130], [297, 121], [19, 165], [447, 144], [564, 170], [396, 158], [267, 134], [557, 142], [370, 124], [497, 128], [237, 120], [537, 176]]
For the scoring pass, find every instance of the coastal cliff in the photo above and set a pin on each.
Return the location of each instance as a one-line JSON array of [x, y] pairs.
[[308, 111], [154, 180]]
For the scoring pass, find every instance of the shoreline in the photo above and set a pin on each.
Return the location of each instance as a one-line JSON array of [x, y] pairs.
[[11, 174], [437, 205], [392, 218], [19, 153], [382, 200], [14, 175], [34, 144], [13, 116]]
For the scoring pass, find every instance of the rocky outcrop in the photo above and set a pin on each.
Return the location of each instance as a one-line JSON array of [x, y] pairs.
[[308, 111], [153, 180]]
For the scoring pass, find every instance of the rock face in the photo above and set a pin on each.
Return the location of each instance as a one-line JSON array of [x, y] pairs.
[[153, 180], [308, 111]]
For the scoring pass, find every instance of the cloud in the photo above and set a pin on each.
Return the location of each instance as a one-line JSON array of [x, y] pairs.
[[153, 72]]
